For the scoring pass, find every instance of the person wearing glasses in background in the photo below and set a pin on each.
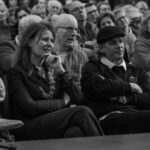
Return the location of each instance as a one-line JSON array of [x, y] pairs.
[[86, 34], [65, 46]]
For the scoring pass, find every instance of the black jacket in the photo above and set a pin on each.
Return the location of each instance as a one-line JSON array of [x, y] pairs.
[[100, 84], [27, 100]]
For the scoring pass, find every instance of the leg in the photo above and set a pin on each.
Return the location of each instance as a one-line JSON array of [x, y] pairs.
[[55, 124], [128, 122]]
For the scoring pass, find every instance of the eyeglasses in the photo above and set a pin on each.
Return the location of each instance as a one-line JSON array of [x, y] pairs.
[[69, 29]]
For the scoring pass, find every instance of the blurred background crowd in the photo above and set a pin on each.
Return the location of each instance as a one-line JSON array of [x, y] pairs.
[[11, 11]]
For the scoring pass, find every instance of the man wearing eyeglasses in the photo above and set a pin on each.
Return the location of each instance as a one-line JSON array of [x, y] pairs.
[[66, 45], [86, 30]]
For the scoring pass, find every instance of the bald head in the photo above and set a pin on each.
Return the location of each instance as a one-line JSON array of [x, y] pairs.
[[66, 31], [63, 20]]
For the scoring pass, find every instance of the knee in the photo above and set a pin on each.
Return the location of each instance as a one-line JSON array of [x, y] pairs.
[[73, 132], [84, 110]]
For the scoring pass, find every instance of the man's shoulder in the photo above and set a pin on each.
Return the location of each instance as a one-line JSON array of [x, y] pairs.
[[7, 46], [78, 51], [94, 62]]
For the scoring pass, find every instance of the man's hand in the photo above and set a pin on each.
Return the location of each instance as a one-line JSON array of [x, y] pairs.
[[136, 88], [66, 98]]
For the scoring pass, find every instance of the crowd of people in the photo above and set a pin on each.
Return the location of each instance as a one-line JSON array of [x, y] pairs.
[[74, 68]]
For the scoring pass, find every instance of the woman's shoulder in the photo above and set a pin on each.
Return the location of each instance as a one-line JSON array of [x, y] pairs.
[[17, 69]]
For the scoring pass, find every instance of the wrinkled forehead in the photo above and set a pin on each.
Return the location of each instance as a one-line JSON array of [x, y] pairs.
[[69, 22], [91, 8], [54, 4], [75, 5], [120, 14], [104, 6]]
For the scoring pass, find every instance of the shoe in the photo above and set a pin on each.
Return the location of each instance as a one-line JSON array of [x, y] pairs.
[[7, 124]]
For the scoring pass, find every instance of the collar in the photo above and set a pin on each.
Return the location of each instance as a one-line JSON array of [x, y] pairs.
[[41, 64], [110, 64]]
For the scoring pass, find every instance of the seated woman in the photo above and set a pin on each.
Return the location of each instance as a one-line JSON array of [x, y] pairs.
[[41, 94]]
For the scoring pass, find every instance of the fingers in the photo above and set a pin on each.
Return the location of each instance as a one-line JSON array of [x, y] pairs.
[[136, 88]]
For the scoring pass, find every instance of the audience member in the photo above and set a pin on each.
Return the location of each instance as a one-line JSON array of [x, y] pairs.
[[41, 3], [41, 93], [39, 10], [12, 5], [25, 3], [107, 19], [92, 12], [123, 24], [20, 13], [134, 16], [72, 56], [9, 49], [3, 13], [141, 58], [77, 9], [142, 6], [103, 7], [54, 7], [117, 92]]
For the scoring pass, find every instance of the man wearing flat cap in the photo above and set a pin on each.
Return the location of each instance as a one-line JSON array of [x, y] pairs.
[[117, 92]]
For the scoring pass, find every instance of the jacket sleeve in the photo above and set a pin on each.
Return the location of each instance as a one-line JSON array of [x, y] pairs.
[[72, 89], [95, 84], [23, 100], [142, 101]]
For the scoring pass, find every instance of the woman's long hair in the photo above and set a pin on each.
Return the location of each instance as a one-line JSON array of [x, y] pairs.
[[24, 51]]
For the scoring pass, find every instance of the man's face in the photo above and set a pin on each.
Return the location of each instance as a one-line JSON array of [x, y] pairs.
[[79, 13], [122, 20], [67, 33], [12, 3], [136, 22], [104, 8], [114, 49], [92, 14]]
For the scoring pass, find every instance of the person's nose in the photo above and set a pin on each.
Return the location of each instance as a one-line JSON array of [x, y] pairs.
[[50, 44], [119, 44]]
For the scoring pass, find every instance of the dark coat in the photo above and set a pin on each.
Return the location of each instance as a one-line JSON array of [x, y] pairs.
[[100, 84], [27, 98]]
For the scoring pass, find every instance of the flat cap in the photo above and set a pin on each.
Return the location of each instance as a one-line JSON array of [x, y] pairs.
[[108, 33]]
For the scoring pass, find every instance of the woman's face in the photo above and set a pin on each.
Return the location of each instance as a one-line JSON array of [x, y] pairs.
[[42, 44], [106, 21]]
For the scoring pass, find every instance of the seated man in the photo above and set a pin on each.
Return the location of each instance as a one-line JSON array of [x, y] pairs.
[[117, 92]]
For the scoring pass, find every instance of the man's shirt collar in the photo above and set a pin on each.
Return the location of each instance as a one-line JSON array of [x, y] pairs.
[[110, 64]]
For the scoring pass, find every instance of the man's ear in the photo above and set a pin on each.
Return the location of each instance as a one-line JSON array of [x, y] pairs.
[[101, 48]]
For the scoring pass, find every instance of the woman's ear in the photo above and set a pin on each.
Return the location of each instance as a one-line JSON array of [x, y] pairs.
[[30, 43]]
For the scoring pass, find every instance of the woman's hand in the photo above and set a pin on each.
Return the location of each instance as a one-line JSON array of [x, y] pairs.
[[55, 62]]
